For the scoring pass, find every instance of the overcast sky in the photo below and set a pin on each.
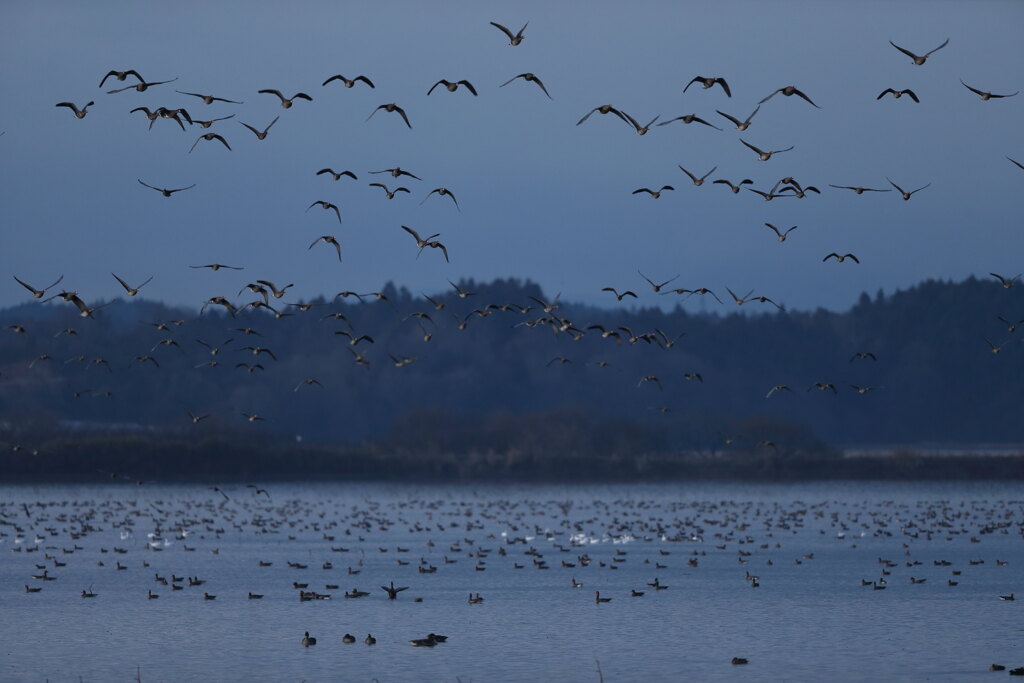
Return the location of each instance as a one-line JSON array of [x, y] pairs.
[[540, 197]]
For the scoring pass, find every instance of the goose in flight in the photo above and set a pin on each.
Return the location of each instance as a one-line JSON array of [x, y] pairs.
[[196, 419], [603, 109], [898, 94], [219, 301], [985, 96], [735, 188], [326, 206], [208, 99], [788, 91], [1010, 326], [286, 103], [689, 118], [995, 349], [218, 266], [251, 418], [863, 355], [530, 78], [777, 387], [278, 293], [208, 137], [79, 113], [443, 192], [143, 359], [465, 294], [740, 125], [707, 82], [919, 60], [83, 309], [349, 83], [697, 181], [131, 291], [618, 297], [651, 378], [690, 292], [390, 194], [513, 40], [337, 176], [261, 135], [164, 191], [841, 257], [824, 386], [781, 235], [451, 86], [640, 130], [762, 155], [327, 239], [654, 286], [857, 189], [689, 376], [207, 124], [121, 76], [906, 195], [308, 382], [654, 193], [141, 86], [391, 107], [1017, 164], [396, 172], [1006, 282], [37, 293], [739, 301], [428, 242], [214, 350], [862, 390]]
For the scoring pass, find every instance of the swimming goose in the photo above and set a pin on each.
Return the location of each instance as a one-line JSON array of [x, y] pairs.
[[348, 638], [762, 155], [453, 86], [79, 113], [141, 86], [164, 191], [308, 640], [391, 107], [985, 96], [529, 78], [787, 91], [740, 125], [1011, 596], [598, 599], [370, 640], [708, 82], [286, 103], [919, 60], [513, 40], [208, 99], [898, 93], [121, 76], [37, 293], [261, 135], [348, 83]]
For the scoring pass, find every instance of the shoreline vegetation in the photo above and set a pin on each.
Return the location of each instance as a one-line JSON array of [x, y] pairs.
[[150, 457]]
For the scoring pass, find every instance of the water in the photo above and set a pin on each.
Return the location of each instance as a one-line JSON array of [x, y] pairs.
[[806, 621]]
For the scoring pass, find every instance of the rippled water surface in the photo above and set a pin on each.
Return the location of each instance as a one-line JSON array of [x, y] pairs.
[[808, 619]]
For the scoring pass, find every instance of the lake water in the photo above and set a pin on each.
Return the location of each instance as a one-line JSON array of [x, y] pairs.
[[809, 619]]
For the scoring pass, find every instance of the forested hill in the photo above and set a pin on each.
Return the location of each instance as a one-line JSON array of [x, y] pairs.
[[928, 370]]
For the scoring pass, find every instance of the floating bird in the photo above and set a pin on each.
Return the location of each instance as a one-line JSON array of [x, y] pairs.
[[131, 291], [603, 109], [453, 86], [898, 94], [985, 96], [208, 99], [762, 155], [121, 76], [906, 195], [740, 125], [308, 640], [512, 39], [326, 206], [919, 60], [286, 103], [787, 91], [261, 135], [37, 293], [79, 113], [530, 78], [165, 192], [141, 86], [708, 82], [392, 107], [347, 82]]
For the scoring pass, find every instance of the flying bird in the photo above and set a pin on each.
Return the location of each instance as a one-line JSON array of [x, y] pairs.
[[697, 181], [1006, 282], [165, 192], [985, 96], [207, 124], [327, 239], [396, 173], [208, 99], [392, 107], [762, 155], [348, 83], [443, 192], [132, 291], [390, 194], [740, 125], [841, 257], [286, 103], [618, 297], [121, 76], [735, 188], [530, 78], [656, 286], [37, 293], [781, 235], [857, 189], [141, 86], [708, 82], [603, 109], [261, 135], [337, 176], [453, 86], [919, 60], [640, 130], [788, 91], [210, 136], [218, 266], [326, 206], [689, 118], [79, 113], [654, 193], [906, 195], [512, 39], [898, 94]]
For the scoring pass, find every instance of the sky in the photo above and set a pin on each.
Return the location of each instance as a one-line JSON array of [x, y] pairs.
[[540, 197]]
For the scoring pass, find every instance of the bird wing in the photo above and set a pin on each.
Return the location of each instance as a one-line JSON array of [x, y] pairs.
[[938, 48], [506, 32], [469, 86], [906, 52]]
